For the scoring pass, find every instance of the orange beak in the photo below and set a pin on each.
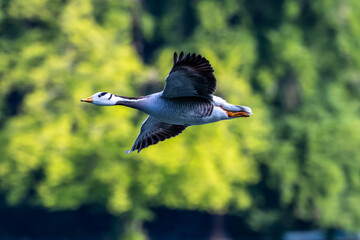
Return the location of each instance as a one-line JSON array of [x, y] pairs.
[[89, 100]]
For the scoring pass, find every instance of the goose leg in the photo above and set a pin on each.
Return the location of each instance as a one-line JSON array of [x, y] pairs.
[[242, 112]]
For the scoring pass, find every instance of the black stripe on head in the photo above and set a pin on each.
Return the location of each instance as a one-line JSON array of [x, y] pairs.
[[110, 96], [102, 94]]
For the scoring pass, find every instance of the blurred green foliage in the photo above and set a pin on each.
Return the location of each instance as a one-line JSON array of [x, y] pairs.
[[296, 63]]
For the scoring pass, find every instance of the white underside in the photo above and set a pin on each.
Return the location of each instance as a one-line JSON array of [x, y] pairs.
[[217, 114]]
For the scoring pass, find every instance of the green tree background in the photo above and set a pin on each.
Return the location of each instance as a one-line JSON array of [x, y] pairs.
[[295, 62]]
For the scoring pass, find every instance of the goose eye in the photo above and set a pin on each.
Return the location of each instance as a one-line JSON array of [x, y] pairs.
[[102, 94]]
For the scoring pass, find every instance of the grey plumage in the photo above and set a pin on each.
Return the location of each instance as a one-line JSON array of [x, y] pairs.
[[187, 99]]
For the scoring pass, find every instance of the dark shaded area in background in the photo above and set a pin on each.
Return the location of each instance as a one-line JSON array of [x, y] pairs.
[[39, 223], [92, 223]]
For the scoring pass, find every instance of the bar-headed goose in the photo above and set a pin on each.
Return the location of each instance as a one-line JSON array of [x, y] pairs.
[[186, 100]]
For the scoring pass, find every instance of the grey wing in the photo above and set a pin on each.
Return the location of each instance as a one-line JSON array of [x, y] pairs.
[[152, 131], [191, 75]]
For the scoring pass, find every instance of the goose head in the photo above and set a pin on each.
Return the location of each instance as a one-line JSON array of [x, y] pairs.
[[102, 99]]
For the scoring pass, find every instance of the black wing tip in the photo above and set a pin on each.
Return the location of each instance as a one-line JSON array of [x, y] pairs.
[[167, 131], [175, 57], [133, 150], [192, 59], [182, 56]]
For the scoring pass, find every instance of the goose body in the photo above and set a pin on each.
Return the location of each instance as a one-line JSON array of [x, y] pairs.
[[186, 100]]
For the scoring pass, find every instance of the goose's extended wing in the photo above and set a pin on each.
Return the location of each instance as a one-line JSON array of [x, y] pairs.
[[152, 131], [191, 75]]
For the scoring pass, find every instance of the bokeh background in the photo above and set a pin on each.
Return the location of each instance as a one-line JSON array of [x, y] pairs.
[[293, 165]]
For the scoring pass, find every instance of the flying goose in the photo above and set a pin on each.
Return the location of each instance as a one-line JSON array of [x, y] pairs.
[[186, 100]]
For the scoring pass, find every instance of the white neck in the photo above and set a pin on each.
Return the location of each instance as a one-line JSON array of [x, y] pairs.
[[116, 100], [126, 101]]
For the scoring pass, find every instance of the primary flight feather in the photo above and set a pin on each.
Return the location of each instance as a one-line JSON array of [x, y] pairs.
[[186, 100]]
